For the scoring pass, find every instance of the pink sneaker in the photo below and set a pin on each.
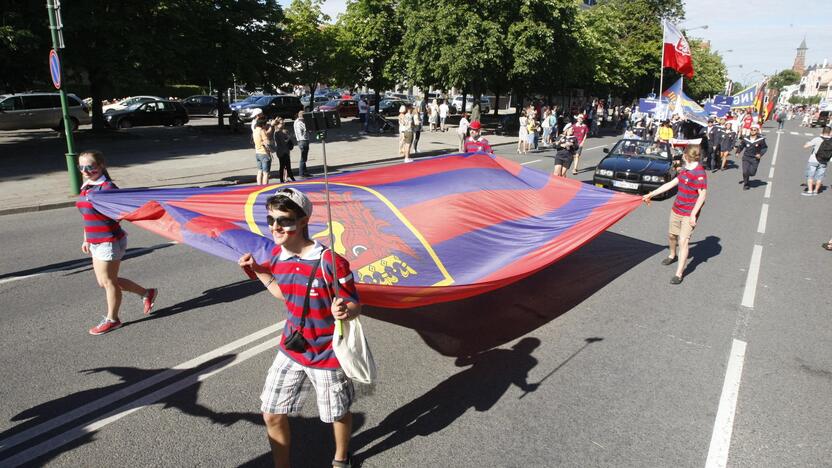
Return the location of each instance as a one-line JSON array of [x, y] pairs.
[[105, 326], [149, 300]]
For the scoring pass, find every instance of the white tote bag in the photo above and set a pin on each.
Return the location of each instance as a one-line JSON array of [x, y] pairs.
[[353, 351]]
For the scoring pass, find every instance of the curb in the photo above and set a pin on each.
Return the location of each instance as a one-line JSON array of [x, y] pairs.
[[29, 209]]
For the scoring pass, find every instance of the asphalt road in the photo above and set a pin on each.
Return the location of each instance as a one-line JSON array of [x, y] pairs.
[[596, 361]]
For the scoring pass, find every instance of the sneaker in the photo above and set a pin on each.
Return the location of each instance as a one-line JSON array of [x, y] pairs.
[[813, 193], [149, 300], [676, 280], [807, 193], [105, 326], [668, 261]]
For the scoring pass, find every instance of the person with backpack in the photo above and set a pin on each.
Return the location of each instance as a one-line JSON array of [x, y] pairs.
[[818, 160]]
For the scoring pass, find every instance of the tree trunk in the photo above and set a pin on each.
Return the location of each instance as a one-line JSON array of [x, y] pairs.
[[464, 100], [496, 101], [98, 122], [312, 88], [220, 107]]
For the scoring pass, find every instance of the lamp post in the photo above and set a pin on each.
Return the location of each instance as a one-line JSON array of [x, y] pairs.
[[53, 7]]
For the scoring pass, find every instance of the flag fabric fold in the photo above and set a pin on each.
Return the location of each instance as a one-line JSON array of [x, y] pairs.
[[676, 50], [435, 230]]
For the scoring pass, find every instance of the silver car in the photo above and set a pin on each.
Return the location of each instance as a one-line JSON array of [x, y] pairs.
[[40, 110]]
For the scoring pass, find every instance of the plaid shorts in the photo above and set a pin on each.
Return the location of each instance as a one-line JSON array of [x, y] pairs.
[[287, 386]]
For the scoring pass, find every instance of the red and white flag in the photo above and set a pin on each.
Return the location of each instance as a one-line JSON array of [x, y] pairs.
[[676, 50]]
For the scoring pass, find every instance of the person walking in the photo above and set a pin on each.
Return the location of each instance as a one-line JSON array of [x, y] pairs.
[[300, 273], [753, 148], [710, 145], [818, 161], [434, 116], [263, 150], [727, 139], [302, 137], [566, 147], [692, 183], [462, 131], [443, 115], [282, 149], [523, 135], [580, 130], [476, 142], [417, 127], [405, 133], [363, 107], [106, 242]]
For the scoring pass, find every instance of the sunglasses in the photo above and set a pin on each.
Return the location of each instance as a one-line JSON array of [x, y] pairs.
[[88, 168], [285, 222]]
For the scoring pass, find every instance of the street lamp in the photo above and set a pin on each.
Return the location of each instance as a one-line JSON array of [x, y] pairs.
[[687, 30], [747, 75]]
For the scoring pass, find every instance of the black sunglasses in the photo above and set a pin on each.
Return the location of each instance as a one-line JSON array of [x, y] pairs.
[[282, 221], [88, 168]]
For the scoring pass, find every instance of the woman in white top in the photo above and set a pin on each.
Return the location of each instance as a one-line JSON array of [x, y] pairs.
[[462, 131], [405, 133], [523, 135]]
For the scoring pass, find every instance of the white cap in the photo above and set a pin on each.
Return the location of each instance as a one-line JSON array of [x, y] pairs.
[[298, 197], [402, 108], [256, 112]]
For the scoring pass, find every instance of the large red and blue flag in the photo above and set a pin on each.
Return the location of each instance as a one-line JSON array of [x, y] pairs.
[[435, 230]]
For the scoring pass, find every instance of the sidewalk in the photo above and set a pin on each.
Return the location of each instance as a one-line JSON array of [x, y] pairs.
[[34, 175]]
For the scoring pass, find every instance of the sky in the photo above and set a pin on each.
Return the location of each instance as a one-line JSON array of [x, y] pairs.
[[761, 35]]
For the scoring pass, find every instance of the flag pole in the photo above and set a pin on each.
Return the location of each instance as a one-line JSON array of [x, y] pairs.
[[661, 72]]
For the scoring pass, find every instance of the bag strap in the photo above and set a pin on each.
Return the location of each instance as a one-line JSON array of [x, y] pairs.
[[308, 290]]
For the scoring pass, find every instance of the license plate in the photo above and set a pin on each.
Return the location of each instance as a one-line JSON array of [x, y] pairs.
[[626, 185]]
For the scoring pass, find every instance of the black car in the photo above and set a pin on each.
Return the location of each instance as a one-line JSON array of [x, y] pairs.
[[636, 166], [149, 113], [286, 106], [821, 119], [391, 106], [204, 105]]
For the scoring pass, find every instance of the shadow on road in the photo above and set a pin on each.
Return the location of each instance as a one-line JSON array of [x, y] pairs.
[[702, 251], [490, 320], [185, 400]]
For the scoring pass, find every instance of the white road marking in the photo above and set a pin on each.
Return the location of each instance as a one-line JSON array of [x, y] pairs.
[[776, 151], [131, 407], [771, 172], [78, 264], [809, 134], [751, 280], [761, 226], [133, 389], [594, 147], [530, 162], [768, 190], [724, 423], [794, 133]]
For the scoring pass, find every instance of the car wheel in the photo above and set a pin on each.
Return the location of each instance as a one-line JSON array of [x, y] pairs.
[[125, 123], [214, 113], [178, 122]]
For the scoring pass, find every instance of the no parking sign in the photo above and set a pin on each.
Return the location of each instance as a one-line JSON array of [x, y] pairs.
[[55, 68]]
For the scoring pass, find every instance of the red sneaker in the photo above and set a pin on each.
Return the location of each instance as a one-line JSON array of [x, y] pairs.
[[105, 326], [149, 300]]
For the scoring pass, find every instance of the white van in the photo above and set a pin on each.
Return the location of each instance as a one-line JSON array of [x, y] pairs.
[[40, 110], [456, 103]]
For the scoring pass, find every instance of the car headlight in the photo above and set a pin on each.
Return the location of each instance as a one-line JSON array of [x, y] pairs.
[[605, 172], [108, 117], [652, 178]]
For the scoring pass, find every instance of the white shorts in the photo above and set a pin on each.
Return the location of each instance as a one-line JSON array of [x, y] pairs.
[[287, 386], [109, 251]]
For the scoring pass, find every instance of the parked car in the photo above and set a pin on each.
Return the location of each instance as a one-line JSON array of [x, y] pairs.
[[236, 105], [204, 105], [125, 103], [284, 105], [391, 106], [344, 107], [319, 100], [821, 119], [148, 114], [636, 166], [456, 104], [40, 110]]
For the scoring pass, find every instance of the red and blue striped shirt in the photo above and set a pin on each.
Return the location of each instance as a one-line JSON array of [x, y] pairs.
[[292, 275], [691, 181], [97, 227], [472, 145]]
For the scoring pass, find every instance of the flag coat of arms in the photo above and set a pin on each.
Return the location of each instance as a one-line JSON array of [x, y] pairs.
[[676, 51]]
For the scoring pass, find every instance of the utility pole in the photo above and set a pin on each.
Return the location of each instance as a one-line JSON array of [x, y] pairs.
[[53, 7]]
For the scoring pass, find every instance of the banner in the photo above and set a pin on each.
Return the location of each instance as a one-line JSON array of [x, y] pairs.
[[721, 100], [679, 103], [719, 110], [745, 98]]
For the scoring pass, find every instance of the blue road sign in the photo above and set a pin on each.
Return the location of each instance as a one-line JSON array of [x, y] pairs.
[[55, 68]]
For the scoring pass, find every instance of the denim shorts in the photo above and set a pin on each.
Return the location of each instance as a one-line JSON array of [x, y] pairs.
[[109, 251], [264, 162], [815, 171]]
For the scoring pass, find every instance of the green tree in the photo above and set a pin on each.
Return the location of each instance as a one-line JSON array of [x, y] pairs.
[[24, 44], [370, 32], [783, 79], [313, 44]]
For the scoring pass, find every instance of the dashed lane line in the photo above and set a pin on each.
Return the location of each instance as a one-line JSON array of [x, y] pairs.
[[761, 226], [530, 162], [724, 423]]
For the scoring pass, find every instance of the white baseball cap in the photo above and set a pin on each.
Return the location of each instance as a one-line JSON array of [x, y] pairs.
[[298, 197], [256, 112]]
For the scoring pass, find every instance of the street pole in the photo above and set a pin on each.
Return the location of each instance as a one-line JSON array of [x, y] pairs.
[[53, 8]]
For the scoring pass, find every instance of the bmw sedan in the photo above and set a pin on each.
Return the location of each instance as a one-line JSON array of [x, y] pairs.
[[636, 166], [147, 114]]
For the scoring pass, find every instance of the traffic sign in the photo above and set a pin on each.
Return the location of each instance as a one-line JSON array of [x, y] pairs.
[[55, 68]]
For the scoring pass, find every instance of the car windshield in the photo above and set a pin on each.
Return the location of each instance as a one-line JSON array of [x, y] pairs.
[[250, 99], [264, 100], [641, 149]]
